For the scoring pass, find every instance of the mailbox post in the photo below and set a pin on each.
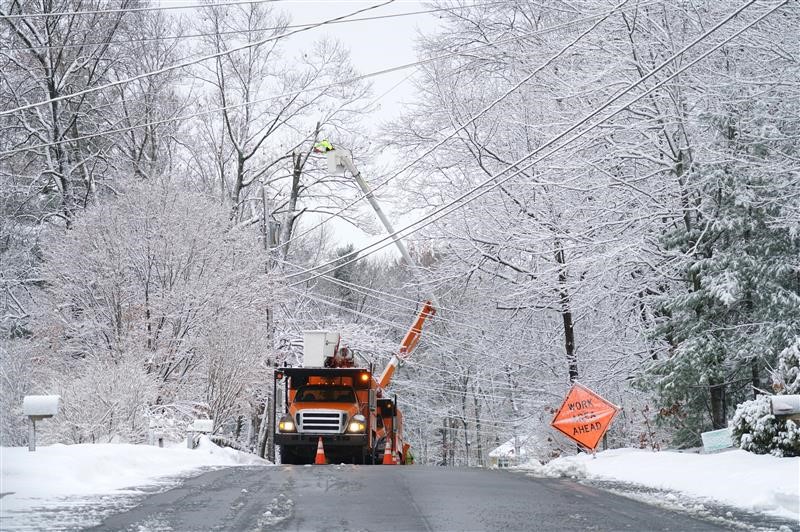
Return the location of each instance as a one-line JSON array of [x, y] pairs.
[[38, 407]]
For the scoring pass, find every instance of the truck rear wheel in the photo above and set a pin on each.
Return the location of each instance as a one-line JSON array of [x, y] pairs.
[[359, 458]]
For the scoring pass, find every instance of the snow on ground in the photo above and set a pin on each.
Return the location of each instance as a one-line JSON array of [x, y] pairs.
[[55, 476], [760, 483]]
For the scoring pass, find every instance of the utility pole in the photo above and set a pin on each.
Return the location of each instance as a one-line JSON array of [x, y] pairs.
[[265, 226], [271, 445], [266, 440]]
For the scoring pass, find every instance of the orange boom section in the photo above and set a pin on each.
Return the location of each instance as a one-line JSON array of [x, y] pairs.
[[407, 345]]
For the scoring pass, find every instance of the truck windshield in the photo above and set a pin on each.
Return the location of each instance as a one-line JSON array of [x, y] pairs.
[[331, 394]]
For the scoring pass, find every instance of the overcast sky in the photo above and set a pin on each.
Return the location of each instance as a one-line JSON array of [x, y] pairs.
[[374, 45]]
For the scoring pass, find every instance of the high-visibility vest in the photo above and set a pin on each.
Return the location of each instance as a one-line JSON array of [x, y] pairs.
[[323, 146], [408, 457]]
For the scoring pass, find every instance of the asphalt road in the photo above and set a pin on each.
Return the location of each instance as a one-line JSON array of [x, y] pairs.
[[383, 498]]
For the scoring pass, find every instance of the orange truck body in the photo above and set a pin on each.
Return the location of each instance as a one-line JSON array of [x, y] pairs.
[[323, 402]]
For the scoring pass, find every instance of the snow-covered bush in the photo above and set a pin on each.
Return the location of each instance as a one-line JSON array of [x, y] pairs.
[[102, 401], [171, 421], [15, 382], [755, 429]]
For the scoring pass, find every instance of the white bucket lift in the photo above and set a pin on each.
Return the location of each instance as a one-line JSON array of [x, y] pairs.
[[337, 160], [318, 346]]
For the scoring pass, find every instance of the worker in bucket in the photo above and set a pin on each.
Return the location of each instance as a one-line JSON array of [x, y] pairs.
[[323, 146]]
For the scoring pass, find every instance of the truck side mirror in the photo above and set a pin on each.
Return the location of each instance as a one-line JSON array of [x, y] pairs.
[[373, 400]]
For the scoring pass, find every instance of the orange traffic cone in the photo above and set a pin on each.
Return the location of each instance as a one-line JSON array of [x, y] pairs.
[[388, 458], [320, 458]]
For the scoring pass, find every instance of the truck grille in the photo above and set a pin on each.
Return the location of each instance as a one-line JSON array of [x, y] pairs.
[[321, 421]]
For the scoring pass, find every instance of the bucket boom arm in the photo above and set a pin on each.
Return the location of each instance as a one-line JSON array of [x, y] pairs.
[[341, 159], [407, 346]]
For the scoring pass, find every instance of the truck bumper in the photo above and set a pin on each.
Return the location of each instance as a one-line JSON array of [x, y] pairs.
[[328, 440]]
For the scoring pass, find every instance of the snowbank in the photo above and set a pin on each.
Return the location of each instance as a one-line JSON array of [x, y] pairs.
[[53, 472], [760, 483]]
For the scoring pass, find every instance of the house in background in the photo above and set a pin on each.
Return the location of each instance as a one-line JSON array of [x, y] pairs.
[[506, 456]]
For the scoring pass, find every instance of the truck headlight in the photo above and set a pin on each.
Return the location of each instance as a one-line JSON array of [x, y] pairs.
[[357, 424], [286, 424]]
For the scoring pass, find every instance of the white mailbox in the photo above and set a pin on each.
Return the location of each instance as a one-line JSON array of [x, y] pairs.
[[785, 405], [38, 407], [41, 406]]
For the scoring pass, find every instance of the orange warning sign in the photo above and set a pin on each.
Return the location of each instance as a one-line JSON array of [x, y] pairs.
[[584, 416]]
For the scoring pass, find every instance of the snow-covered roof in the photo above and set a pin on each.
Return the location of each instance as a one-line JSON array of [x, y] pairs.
[[507, 449]]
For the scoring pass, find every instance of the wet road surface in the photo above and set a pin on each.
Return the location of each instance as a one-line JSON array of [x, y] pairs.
[[382, 498]]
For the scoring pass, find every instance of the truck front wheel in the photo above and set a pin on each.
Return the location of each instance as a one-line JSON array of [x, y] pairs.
[[289, 457]]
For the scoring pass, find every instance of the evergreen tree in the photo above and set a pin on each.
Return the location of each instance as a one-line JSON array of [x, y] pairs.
[[738, 262], [345, 273], [786, 377]]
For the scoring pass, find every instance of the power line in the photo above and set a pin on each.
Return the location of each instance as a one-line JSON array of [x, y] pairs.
[[410, 362], [444, 391], [383, 321], [400, 306], [309, 89], [394, 325], [472, 119], [376, 294], [132, 10], [522, 392], [458, 416], [369, 291], [438, 318], [372, 292], [429, 334], [439, 212], [242, 31], [184, 64]]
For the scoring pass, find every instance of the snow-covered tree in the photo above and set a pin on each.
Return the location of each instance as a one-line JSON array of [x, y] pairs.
[[151, 282], [47, 58], [586, 258], [786, 375], [735, 308], [17, 379]]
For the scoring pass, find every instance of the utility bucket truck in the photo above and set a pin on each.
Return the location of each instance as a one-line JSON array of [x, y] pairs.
[[345, 407], [334, 410]]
